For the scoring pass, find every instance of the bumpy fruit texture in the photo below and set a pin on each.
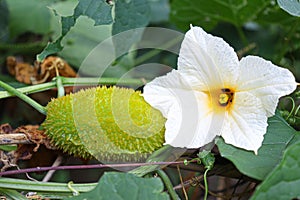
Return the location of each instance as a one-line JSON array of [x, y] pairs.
[[106, 123]]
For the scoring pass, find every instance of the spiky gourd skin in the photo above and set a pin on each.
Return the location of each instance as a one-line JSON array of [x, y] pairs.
[[106, 123]]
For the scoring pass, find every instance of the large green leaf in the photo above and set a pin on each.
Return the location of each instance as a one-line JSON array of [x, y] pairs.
[[129, 15], [208, 13], [290, 6], [98, 10], [279, 135], [122, 186], [79, 42], [284, 181]]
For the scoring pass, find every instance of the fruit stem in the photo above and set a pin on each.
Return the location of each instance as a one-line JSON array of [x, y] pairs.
[[25, 98]]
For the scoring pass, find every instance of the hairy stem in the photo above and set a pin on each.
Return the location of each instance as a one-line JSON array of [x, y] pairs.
[[30, 89], [71, 82], [25, 98], [60, 87]]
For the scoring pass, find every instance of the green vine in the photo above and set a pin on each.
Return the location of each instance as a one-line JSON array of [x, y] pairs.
[[60, 83], [59, 190], [22, 96], [168, 184], [72, 82]]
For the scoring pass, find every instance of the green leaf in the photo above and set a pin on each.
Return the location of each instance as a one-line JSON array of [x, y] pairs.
[[278, 136], [78, 43], [290, 6], [283, 182], [208, 13], [207, 159], [121, 186], [51, 48], [98, 10], [28, 16], [130, 14]]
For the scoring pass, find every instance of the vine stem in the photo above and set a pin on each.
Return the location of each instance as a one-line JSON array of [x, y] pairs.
[[29, 89], [168, 184], [95, 166], [293, 107], [182, 183], [60, 82], [71, 82], [25, 98], [25, 185], [60, 87], [13, 194], [205, 183]]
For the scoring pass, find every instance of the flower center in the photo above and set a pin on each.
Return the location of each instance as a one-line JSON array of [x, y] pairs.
[[225, 97]]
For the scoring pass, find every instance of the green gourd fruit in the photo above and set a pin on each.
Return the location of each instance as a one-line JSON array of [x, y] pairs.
[[107, 123]]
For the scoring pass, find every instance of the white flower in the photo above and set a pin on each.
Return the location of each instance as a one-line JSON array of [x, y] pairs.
[[214, 94]]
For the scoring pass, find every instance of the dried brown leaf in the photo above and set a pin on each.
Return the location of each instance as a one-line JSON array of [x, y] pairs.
[[51, 67]]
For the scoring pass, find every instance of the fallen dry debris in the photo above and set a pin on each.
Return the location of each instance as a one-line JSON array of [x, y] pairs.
[[35, 135], [14, 138], [23, 72], [51, 67], [30, 139], [5, 128]]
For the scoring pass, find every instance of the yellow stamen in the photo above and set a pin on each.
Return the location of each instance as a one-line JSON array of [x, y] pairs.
[[223, 99], [226, 97]]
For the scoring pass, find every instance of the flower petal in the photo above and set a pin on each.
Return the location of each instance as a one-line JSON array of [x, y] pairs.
[[210, 57], [266, 81], [186, 126], [188, 112], [246, 122], [163, 93]]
